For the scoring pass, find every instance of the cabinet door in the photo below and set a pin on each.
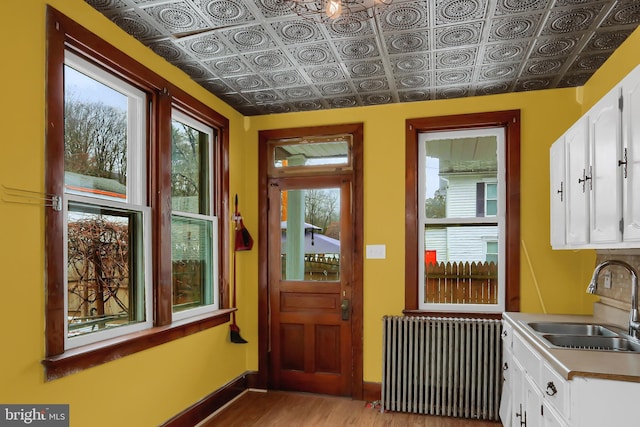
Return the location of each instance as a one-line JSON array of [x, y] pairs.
[[550, 418], [604, 142], [533, 403], [578, 183], [518, 404], [557, 169], [631, 154]]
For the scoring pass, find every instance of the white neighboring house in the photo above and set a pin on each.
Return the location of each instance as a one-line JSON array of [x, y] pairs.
[[468, 195]]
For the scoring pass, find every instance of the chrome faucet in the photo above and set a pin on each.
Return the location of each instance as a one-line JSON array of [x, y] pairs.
[[634, 322]]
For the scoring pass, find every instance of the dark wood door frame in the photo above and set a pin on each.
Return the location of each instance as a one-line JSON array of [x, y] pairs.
[[357, 225]]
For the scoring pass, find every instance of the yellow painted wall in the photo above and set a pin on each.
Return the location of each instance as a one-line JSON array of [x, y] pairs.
[[144, 389], [621, 62], [151, 386]]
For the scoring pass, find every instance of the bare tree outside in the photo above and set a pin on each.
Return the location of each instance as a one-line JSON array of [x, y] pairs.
[[321, 207], [95, 139]]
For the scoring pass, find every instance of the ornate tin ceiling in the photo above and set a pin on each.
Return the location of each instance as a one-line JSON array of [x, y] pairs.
[[261, 58]]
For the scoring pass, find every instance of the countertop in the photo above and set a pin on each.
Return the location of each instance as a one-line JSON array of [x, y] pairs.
[[570, 363]]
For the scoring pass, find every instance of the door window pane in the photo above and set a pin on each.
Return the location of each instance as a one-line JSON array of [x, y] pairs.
[[310, 224]]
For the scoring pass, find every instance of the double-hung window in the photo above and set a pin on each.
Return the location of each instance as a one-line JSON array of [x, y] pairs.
[[463, 180], [108, 222], [137, 173], [464, 168], [194, 227]]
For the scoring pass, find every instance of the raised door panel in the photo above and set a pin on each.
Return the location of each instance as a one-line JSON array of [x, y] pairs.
[[604, 142], [631, 143], [557, 169], [577, 185]]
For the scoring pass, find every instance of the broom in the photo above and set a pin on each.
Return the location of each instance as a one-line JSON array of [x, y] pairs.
[[243, 242]]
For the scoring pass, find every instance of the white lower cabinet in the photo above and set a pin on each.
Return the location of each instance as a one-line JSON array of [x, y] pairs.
[[537, 395]]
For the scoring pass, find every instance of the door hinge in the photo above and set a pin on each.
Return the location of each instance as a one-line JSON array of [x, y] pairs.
[[622, 225]]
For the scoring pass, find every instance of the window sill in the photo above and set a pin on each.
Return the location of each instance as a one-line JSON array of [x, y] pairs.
[[91, 355]]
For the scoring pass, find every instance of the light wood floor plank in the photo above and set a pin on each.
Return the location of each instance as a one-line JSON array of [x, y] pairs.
[[287, 409]]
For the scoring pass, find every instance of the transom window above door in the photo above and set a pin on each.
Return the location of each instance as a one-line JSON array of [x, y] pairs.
[[313, 154]]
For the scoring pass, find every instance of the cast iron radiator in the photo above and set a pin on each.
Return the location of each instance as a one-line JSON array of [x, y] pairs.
[[442, 366]]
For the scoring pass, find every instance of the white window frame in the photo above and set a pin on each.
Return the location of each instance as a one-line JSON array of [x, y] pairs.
[[500, 219], [134, 202], [204, 309]]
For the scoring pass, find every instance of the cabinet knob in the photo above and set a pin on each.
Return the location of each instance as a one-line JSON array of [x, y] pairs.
[[505, 366], [551, 389]]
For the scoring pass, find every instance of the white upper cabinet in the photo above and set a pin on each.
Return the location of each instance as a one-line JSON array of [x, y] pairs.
[[630, 156], [578, 178], [604, 146], [558, 193], [595, 173]]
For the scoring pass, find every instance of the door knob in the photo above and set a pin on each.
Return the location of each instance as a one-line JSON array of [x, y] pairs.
[[345, 309]]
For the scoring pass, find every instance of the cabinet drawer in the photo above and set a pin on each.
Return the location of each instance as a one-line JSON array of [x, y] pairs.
[[507, 335], [507, 364], [555, 389], [530, 360]]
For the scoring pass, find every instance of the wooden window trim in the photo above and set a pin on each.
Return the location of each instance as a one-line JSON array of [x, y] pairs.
[[63, 33], [510, 121]]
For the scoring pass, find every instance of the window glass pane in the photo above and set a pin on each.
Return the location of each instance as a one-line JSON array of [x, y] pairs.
[[189, 169], [460, 274], [104, 268], [310, 242], [313, 152], [492, 191], [95, 137], [453, 169], [191, 256], [492, 207]]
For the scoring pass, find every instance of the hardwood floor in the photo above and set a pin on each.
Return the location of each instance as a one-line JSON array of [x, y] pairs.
[[284, 409]]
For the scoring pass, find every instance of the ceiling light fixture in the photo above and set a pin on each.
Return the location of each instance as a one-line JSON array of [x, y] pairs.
[[326, 10]]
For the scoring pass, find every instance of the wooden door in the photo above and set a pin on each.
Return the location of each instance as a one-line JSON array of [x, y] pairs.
[[309, 287]]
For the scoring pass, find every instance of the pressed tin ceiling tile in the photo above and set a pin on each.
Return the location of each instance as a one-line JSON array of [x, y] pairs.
[[261, 58]]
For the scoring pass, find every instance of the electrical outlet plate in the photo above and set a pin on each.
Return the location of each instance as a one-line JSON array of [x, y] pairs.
[[607, 280]]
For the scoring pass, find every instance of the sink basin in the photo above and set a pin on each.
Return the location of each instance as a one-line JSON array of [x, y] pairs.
[[593, 342], [572, 329]]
